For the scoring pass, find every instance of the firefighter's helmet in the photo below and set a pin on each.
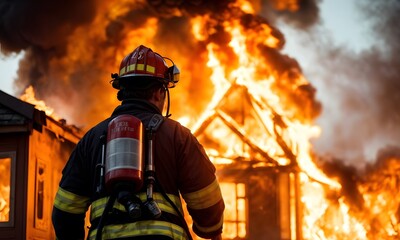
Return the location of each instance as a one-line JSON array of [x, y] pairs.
[[141, 66]]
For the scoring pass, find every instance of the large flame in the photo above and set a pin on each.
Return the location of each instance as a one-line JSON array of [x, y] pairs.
[[260, 87], [29, 96]]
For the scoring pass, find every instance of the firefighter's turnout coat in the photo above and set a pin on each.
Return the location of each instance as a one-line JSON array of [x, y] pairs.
[[182, 167]]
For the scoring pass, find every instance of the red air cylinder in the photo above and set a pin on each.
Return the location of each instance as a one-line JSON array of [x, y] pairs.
[[124, 154]]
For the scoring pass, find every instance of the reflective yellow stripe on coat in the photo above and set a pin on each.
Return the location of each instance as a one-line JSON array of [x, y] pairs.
[[70, 202], [212, 228], [141, 228], [204, 198]]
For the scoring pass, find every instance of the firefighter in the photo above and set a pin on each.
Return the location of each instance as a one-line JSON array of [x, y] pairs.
[[181, 168]]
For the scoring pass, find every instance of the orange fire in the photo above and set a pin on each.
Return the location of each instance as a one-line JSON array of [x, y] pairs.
[[5, 194], [296, 133], [29, 96]]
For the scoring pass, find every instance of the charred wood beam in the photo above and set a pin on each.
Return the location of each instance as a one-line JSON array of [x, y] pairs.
[[288, 152], [210, 114], [278, 121], [229, 122], [257, 113], [205, 123], [64, 132]]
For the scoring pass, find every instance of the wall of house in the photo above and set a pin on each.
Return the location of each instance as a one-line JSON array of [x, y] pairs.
[[48, 153], [13, 149], [271, 203]]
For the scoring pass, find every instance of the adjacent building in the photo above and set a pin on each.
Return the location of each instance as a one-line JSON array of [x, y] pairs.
[[33, 151]]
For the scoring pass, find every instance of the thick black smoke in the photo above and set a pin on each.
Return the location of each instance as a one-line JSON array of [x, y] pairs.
[[301, 14], [43, 24], [349, 178], [42, 29]]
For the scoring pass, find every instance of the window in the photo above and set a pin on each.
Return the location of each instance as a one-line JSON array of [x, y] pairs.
[[7, 188], [235, 226], [41, 204]]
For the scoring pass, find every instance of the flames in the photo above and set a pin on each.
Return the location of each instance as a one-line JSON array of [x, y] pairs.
[[5, 193], [261, 89], [29, 96], [230, 57]]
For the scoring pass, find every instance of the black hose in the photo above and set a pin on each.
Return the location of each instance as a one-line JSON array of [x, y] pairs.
[[167, 114], [184, 224], [107, 209]]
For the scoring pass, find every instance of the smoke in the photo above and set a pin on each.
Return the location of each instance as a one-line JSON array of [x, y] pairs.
[[359, 90], [301, 14], [366, 190], [370, 89], [43, 24], [349, 179], [385, 156], [43, 30]]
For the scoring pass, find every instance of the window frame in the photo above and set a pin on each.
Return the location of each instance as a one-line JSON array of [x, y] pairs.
[[12, 156], [237, 221]]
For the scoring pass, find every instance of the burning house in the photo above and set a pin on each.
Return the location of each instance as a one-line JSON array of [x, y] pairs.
[[34, 148]]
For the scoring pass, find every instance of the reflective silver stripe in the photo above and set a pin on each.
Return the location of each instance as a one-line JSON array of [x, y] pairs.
[[124, 153], [70, 202], [141, 228], [98, 206]]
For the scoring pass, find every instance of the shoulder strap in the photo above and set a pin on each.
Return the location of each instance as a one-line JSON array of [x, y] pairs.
[[152, 127], [155, 122]]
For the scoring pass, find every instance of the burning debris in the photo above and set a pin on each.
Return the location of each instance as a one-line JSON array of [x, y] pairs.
[[236, 85], [370, 196]]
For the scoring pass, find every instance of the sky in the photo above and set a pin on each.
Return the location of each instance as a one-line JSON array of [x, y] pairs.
[[8, 70], [337, 56]]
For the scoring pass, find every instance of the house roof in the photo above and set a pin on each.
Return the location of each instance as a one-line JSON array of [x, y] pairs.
[[17, 114]]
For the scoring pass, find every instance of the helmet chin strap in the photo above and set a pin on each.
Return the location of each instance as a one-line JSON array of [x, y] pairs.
[[167, 114]]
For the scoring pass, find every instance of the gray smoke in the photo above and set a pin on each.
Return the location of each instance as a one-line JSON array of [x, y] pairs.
[[300, 14], [359, 91]]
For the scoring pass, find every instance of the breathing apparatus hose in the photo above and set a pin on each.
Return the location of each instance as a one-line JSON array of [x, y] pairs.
[[184, 224], [155, 122], [103, 217], [167, 114]]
